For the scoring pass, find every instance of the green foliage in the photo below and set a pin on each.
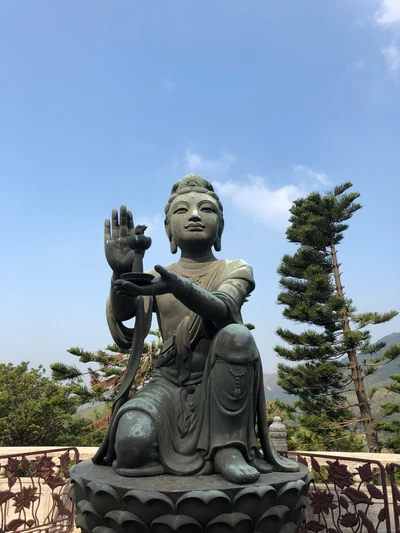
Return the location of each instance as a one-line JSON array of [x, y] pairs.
[[391, 427], [35, 410], [104, 380], [318, 221], [312, 294], [316, 432]]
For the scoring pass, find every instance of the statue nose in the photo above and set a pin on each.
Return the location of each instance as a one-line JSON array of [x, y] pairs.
[[195, 215]]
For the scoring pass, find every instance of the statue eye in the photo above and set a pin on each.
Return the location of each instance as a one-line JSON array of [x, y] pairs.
[[207, 209], [180, 210]]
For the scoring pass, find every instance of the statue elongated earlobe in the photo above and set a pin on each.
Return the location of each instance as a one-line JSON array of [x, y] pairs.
[[217, 244], [173, 246]]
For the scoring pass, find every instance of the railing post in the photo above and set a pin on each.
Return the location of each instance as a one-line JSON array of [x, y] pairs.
[[278, 434]]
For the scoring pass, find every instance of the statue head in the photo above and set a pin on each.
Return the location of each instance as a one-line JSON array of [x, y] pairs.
[[196, 194]]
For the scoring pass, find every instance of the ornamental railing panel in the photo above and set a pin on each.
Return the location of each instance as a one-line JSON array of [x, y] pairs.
[[35, 491], [350, 494]]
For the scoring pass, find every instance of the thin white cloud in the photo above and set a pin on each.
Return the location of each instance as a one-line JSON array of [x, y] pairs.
[[360, 64], [130, 142], [258, 200], [169, 85], [391, 55], [211, 168], [387, 16], [388, 13], [139, 145], [319, 176]]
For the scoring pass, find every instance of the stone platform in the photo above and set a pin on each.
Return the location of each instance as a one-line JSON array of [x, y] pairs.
[[108, 503]]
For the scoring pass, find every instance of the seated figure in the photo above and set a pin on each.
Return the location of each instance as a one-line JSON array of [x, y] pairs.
[[199, 412]]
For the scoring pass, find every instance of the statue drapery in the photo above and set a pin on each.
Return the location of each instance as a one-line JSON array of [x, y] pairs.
[[203, 395]]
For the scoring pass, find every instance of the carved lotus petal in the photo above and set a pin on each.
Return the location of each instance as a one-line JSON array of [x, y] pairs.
[[298, 513], [103, 529], [80, 522], [103, 497], [204, 506], [125, 522], [148, 505], [309, 479], [254, 501], [273, 520], [92, 517], [79, 490], [289, 528], [179, 523], [230, 523], [290, 493]]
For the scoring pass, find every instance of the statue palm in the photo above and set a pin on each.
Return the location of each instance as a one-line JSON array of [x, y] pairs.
[[119, 254]]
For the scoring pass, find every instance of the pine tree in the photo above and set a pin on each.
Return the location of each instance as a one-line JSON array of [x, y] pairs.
[[313, 294], [106, 378], [390, 409]]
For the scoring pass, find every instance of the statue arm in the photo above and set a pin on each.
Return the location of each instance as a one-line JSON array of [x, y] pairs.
[[120, 308], [212, 306], [202, 302], [236, 284], [123, 308]]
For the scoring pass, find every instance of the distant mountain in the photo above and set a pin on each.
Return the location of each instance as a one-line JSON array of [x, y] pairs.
[[273, 391], [381, 376], [379, 379]]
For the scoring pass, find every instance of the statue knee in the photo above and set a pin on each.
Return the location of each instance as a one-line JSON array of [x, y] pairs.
[[235, 344], [136, 440]]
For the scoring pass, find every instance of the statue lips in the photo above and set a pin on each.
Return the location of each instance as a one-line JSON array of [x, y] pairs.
[[195, 227]]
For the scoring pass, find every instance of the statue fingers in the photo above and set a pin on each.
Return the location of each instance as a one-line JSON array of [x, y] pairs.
[[166, 274], [107, 231], [123, 221], [131, 225], [115, 227], [126, 288]]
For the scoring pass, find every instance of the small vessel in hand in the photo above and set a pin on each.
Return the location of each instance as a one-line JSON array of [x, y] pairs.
[[139, 243]]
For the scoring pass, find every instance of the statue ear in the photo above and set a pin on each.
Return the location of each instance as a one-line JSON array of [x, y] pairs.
[[173, 246], [217, 244]]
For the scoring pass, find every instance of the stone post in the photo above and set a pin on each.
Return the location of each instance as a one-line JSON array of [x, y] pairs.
[[278, 434]]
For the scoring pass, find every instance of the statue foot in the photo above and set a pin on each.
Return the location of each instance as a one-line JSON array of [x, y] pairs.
[[151, 469], [230, 463], [261, 466]]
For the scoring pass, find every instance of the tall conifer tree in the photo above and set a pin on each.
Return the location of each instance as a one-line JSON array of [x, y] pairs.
[[312, 293], [390, 409]]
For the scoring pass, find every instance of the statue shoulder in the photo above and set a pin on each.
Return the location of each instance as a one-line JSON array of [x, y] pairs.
[[238, 264], [239, 269]]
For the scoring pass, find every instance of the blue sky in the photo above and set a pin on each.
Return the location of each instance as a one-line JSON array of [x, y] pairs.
[[104, 103]]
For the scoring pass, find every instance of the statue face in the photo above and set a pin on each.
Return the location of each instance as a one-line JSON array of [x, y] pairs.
[[194, 221]]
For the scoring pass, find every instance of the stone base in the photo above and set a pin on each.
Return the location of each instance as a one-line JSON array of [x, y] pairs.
[[108, 503]]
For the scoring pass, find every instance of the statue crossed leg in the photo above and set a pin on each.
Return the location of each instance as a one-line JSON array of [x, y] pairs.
[[221, 437]]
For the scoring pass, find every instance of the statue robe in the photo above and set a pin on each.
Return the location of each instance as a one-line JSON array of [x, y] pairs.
[[190, 397]]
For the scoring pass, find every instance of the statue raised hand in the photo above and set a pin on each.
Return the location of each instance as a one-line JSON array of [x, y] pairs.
[[122, 240]]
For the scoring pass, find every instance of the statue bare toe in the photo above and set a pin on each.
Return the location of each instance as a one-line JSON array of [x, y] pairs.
[[230, 463]]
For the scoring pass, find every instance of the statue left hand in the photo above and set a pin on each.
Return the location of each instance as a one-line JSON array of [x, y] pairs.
[[167, 283]]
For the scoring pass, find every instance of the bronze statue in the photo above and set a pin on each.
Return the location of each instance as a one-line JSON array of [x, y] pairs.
[[198, 413]]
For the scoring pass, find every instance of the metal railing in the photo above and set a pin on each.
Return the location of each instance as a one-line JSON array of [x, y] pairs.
[[35, 491], [350, 494]]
